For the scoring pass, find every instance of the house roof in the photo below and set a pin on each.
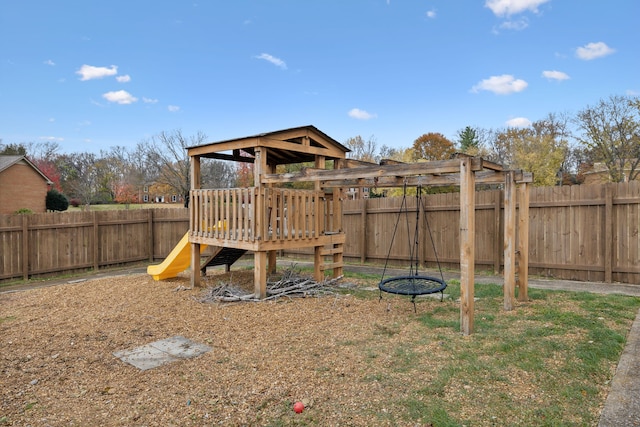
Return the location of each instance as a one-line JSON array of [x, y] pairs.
[[286, 146], [7, 161]]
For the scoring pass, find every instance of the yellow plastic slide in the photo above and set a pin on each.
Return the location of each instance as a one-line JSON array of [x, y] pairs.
[[178, 260]]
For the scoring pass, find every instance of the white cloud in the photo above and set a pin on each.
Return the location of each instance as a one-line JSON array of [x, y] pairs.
[[431, 14], [518, 122], [501, 85], [518, 25], [49, 62], [123, 79], [173, 108], [555, 75], [593, 51], [631, 92], [275, 61], [89, 72], [51, 138], [359, 114], [120, 97], [513, 7], [149, 100]]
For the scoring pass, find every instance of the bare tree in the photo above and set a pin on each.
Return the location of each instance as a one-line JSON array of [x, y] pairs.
[[611, 129], [166, 155], [363, 150]]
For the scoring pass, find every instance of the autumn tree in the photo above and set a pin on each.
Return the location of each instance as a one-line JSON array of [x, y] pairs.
[[611, 130], [534, 149], [432, 146]]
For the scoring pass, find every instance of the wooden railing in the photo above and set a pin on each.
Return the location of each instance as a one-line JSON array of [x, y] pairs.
[[250, 215]]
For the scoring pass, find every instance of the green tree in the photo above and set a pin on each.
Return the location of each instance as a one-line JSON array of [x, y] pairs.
[[13, 149], [432, 146], [611, 130], [469, 141]]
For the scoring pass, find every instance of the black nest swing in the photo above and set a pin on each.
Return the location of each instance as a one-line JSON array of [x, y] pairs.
[[412, 284]]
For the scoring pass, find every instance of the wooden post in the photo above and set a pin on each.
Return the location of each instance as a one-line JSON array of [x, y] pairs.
[[25, 247], [337, 228], [260, 274], [498, 243], [523, 243], [467, 245], [423, 234], [150, 233], [363, 230], [608, 234], [271, 262], [509, 240], [318, 273], [194, 172], [96, 241]]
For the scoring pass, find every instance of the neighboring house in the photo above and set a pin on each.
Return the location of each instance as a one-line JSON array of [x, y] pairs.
[[22, 185], [599, 174], [160, 193]]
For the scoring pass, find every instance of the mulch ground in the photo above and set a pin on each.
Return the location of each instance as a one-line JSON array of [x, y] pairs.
[[57, 366]]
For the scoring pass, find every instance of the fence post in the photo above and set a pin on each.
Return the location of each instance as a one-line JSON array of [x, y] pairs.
[[150, 233], [363, 230], [25, 247], [497, 241], [96, 241], [608, 233]]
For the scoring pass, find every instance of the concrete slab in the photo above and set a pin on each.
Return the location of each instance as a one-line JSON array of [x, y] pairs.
[[161, 352]]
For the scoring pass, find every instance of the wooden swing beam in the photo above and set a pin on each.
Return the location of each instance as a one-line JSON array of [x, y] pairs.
[[464, 172]]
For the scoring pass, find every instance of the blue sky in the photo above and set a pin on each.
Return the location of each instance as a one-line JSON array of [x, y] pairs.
[[91, 75]]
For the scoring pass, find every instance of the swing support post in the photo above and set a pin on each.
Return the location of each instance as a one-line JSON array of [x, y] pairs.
[[467, 245]]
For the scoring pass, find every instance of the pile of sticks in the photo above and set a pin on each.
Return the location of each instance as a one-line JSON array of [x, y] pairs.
[[290, 285]]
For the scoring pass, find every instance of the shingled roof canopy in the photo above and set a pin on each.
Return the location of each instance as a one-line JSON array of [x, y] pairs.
[[287, 146], [6, 161]]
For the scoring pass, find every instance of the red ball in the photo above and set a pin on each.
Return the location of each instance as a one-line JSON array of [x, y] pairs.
[[298, 407]]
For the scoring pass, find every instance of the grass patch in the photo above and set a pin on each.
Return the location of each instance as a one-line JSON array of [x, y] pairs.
[[7, 319], [547, 362]]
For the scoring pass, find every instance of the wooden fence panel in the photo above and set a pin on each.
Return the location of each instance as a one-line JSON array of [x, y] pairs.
[[588, 233], [11, 246], [625, 232], [169, 225], [60, 241]]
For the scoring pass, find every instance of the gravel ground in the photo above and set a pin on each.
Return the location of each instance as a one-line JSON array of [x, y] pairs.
[[57, 366]]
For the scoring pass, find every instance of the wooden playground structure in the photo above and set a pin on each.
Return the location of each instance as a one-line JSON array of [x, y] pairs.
[[267, 217]]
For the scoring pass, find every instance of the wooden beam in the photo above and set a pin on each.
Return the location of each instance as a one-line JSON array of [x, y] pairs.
[[523, 243], [467, 246], [194, 172], [374, 171], [509, 241], [229, 157]]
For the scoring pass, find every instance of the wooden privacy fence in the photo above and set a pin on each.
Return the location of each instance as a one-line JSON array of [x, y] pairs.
[[47, 243], [587, 232]]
